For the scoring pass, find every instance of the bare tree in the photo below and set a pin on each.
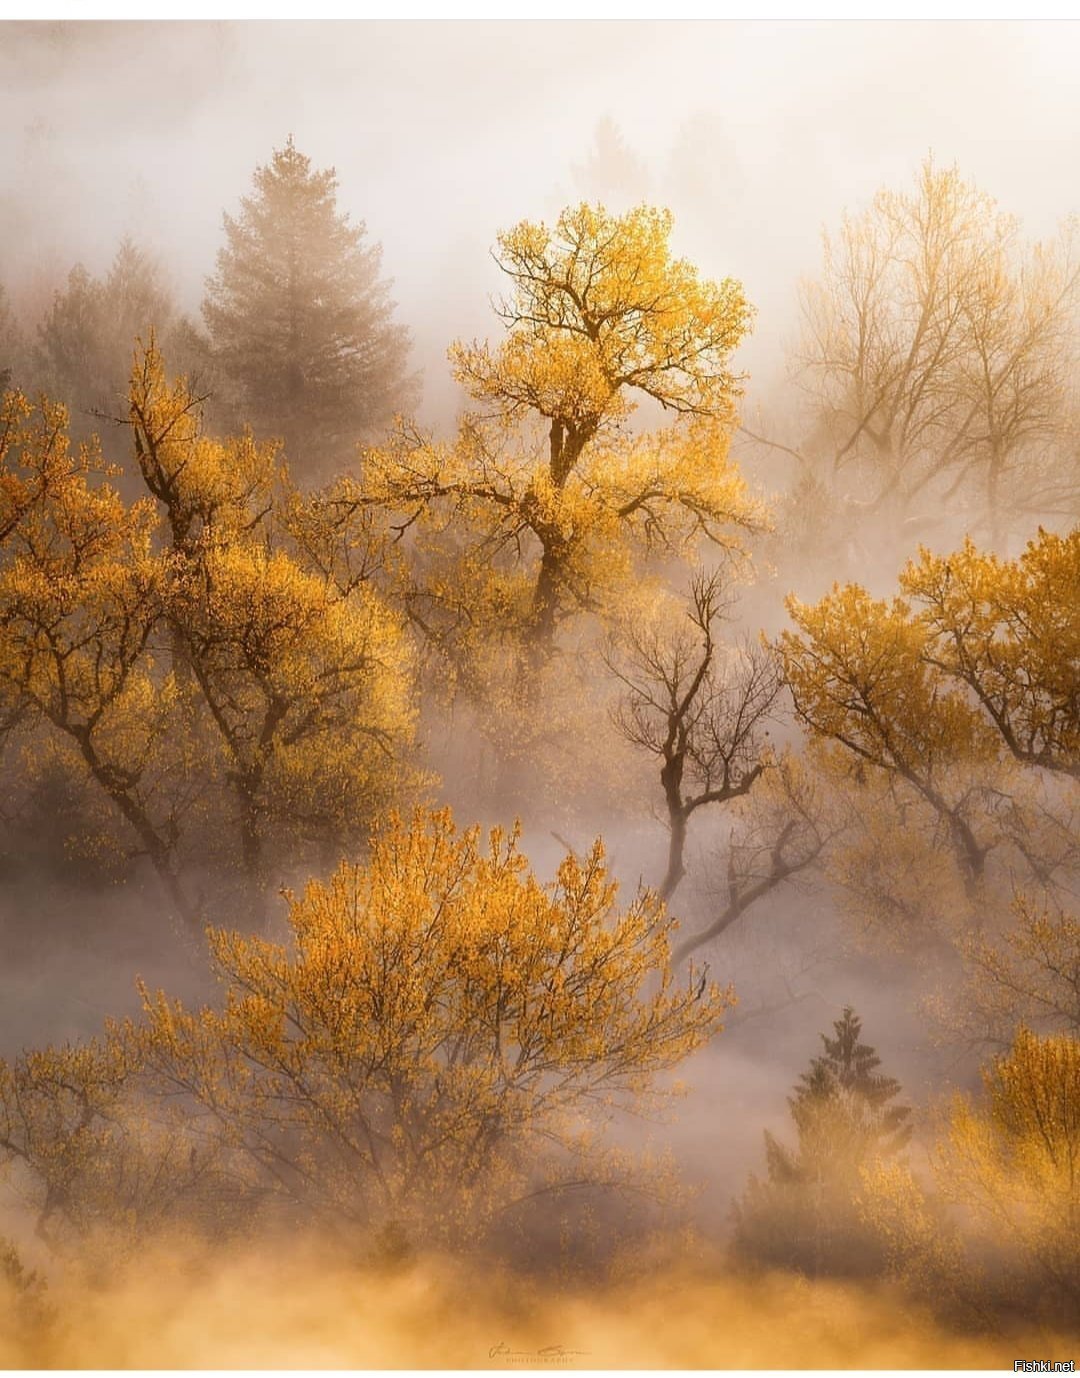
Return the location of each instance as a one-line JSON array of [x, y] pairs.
[[785, 830], [700, 707]]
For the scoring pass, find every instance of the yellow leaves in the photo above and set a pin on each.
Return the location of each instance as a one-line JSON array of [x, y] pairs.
[[546, 495], [201, 482], [609, 285], [1011, 1162], [439, 1014], [1010, 631], [563, 377], [859, 674]]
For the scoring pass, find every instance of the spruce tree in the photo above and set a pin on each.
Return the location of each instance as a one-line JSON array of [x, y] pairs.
[[300, 322], [804, 1215], [86, 340]]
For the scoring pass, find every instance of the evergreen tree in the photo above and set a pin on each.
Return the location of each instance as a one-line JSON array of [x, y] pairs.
[[805, 1214], [87, 339], [300, 321]]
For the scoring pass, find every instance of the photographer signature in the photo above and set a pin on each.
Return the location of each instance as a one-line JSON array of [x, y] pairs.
[[549, 1354]]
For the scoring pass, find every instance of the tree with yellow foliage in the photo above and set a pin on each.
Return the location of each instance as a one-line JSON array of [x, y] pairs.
[[538, 508], [1009, 632], [307, 682], [442, 1038], [1012, 1164], [82, 592], [288, 706], [859, 676], [1001, 1232], [955, 711]]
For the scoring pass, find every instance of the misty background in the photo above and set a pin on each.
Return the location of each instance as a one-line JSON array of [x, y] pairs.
[[754, 134]]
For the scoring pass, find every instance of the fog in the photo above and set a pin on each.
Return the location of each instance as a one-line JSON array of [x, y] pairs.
[[758, 136], [444, 133]]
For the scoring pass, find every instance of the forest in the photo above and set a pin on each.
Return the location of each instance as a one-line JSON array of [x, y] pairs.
[[586, 873]]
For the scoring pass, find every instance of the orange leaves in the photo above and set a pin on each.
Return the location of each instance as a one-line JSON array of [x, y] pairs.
[[859, 674], [546, 486], [440, 1015], [606, 288]]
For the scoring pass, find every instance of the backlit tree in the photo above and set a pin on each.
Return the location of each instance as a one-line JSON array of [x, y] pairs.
[[538, 509], [300, 321]]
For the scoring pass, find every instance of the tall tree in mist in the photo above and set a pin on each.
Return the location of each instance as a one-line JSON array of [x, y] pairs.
[[699, 707], [611, 172], [804, 1214], [178, 657], [549, 492], [300, 321]]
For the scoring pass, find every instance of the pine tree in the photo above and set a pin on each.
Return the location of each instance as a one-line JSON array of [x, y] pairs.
[[300, 321], [805, 1215], [86, 340]]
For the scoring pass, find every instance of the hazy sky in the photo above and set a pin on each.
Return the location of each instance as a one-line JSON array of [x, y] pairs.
[[444, 132]]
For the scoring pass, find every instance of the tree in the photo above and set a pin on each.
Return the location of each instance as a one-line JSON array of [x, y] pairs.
[[611, 172], [306, 683], [82, 356], [81, 593], [946, 691], [98, 1166], [1011, 1165], [859, 676], [182, 658], [441, 1040], [805, 1215], [548, 494], [1029, 975], [1009, 631], [300, 321], [698, 707], [936, 354]]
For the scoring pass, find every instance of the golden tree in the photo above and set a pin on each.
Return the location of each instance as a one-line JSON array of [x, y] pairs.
[[953, 710], [305, 679], [1009, 631], [1012, 1164], [442, 1038], [547, 493], [859, 676], [195, 663], [82, 592]]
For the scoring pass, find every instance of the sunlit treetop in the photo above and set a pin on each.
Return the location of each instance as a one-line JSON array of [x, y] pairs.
[[545, 475], [598, 306]]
